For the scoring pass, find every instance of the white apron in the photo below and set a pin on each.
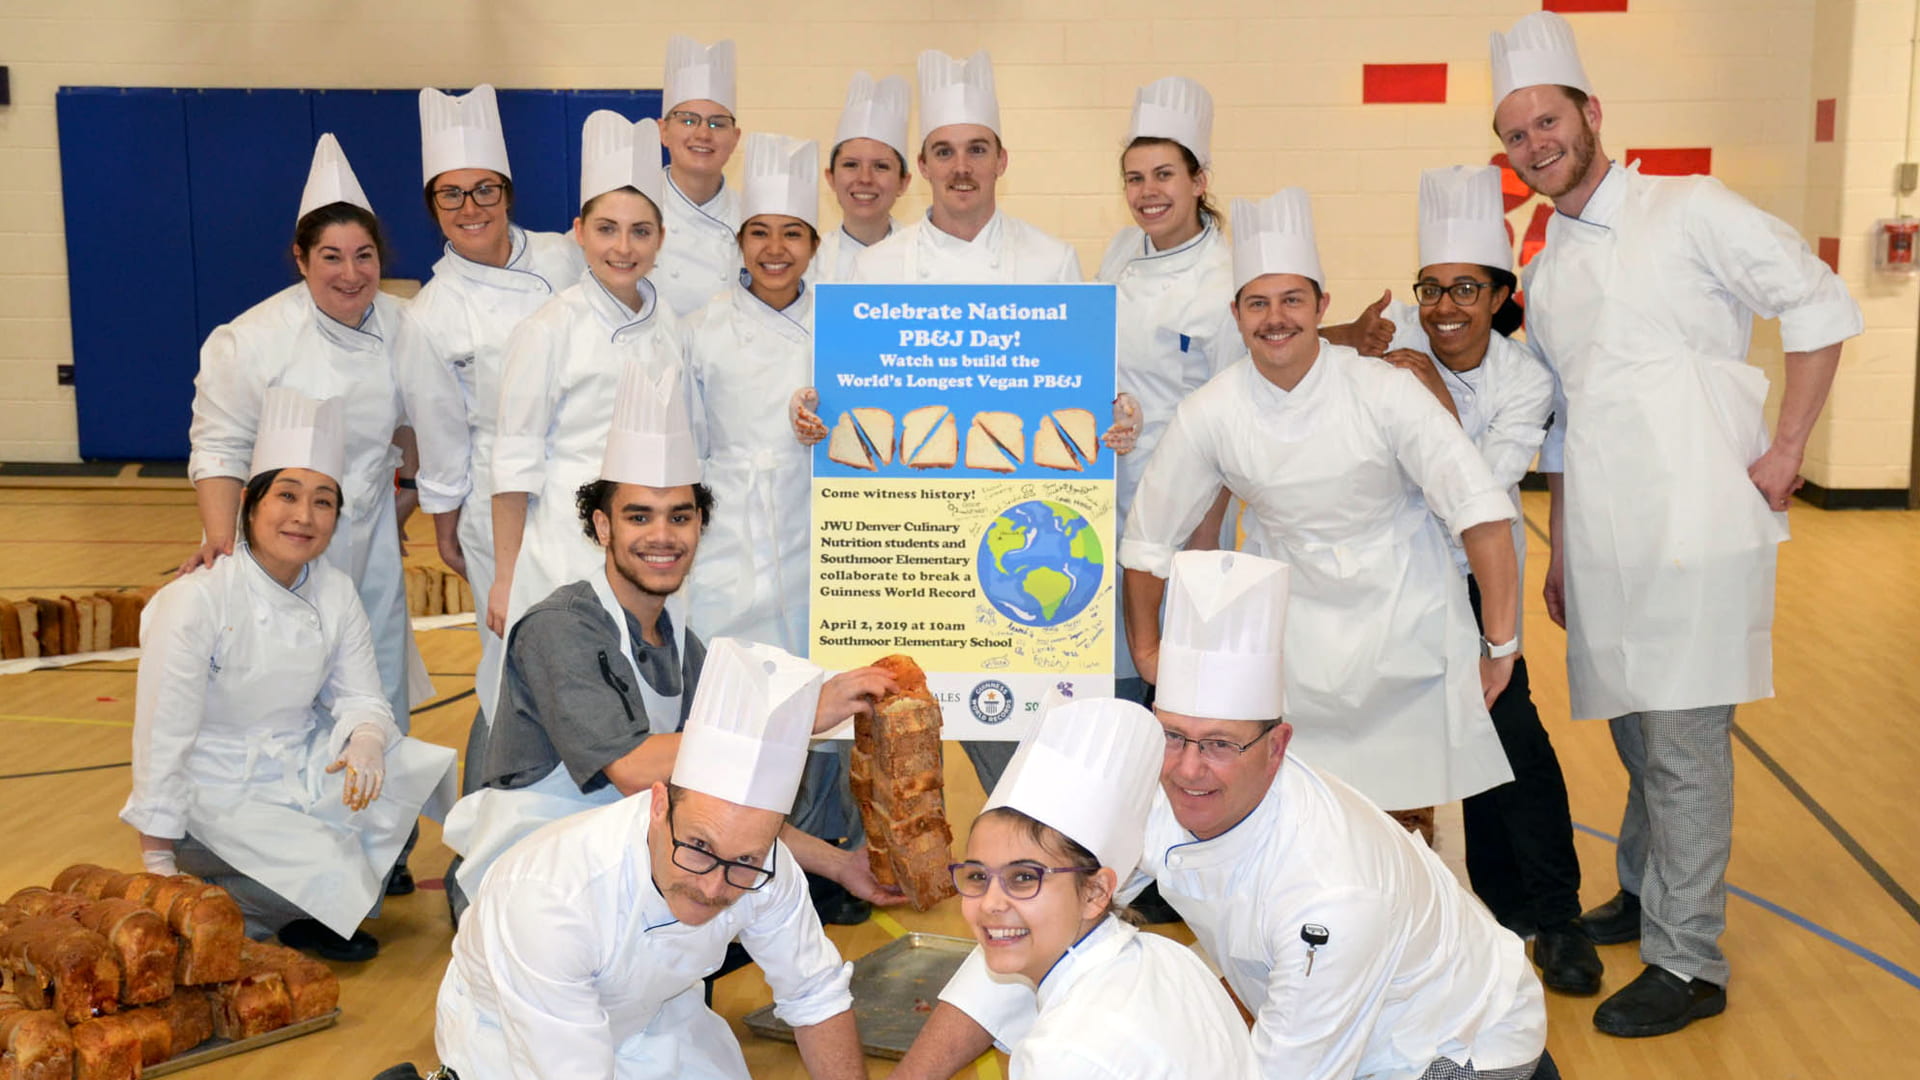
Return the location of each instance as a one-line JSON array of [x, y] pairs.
[[483, 825], [750, 579], [1670, 548]]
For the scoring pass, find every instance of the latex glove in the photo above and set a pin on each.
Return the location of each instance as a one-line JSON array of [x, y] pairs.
[[159, 861], [365, 759], [807, 425], [1126, 424]]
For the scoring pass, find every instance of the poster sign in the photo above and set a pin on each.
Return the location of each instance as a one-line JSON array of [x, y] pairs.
[[963, 505]]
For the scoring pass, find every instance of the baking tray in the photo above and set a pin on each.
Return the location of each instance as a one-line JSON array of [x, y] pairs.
[[886, 983], [215, 1049]]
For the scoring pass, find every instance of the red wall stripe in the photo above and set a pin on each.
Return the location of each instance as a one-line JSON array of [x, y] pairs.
[[1566, 6], [1830, 252], [1823, 119], [1403, 83], [1674, 161]]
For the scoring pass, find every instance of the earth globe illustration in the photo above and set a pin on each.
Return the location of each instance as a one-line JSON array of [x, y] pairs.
[[1040, 563]]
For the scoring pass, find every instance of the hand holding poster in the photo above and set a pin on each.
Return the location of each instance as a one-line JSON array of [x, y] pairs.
[[963, 504]]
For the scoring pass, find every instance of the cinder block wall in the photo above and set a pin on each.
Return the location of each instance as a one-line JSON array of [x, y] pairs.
[[1289, 80]]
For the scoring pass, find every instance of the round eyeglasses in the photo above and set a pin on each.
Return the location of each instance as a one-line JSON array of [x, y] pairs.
[[1464, 293], [1217, 751], [698, 860], [1020, 880], [484, 193]]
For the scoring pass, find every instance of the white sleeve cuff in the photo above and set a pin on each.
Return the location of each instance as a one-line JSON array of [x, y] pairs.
[[1816, 326], [1147, 556]]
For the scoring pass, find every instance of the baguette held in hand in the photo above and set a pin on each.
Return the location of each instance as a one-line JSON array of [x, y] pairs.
[[897, 779]]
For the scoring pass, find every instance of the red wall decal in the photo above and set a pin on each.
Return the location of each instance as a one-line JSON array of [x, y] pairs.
[[1830, 252], [1823, 117], [1569, 6], [1674, 161], [1403, 83]]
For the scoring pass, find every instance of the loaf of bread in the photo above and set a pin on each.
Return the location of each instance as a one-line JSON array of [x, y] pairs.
[[60, 965], [189, 1014], [34, 901], [142, 943], [898, 782], [250, 1006], [311, 986], [102, 622], [126, 618], [11, 647], [48, 625], [152, 1032], [27, 615], [34, 1043], [209, 925], [106, 1048]]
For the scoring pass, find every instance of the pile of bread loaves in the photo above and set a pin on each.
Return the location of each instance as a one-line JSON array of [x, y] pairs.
[[898, 779], [107, 973], [435, 590], [37, 626]]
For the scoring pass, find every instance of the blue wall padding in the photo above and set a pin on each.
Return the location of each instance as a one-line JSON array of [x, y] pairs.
[[211, 181], [123, 164]]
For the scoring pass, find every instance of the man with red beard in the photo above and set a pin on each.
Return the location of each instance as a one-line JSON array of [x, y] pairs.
[[1668, 496], [601, 674]]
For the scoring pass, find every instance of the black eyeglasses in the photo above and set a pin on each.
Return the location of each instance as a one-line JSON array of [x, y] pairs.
[[484, 193], [698, 860], [1021, 880], [688, 118], [1218, 751], [1464, 293]]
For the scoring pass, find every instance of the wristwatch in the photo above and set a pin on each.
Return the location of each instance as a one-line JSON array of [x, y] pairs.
[[1499, 652]]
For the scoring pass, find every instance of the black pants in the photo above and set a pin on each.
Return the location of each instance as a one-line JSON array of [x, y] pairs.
[[1520, 855]]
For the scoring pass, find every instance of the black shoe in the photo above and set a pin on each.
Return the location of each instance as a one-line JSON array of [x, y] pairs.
[[400, 882], [836, 906], [1566, 959], [1152, 908], [1657, 1003], [310, 935], [1615, 922]]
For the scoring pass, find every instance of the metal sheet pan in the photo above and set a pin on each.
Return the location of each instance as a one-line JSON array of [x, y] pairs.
[[215, 1049], [887, 983]]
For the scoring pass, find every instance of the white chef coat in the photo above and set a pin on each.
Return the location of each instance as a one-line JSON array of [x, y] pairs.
[[751, 577], [1121, 1003], [562, 371], [1382, 656], [1643, 307], [838, 253], [570, 965], [1007, 250], [700, 253], [1504, 405], [1413, 968], [1175, 330], [387, 379], [247, 691], [466, 312]]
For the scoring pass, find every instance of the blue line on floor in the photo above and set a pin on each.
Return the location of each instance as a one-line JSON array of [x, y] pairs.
[[1797, 919]]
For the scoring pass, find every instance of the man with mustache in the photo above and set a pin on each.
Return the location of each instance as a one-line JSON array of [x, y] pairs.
[[1668, 496], [1348, 940], [584, 951], [601, 674]]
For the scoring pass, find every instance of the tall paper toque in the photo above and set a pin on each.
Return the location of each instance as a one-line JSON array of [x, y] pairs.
[[1463, 217], [1538, 51], [461, 131], [651, 440], [298, 432], [617, 153], [876, 110], [1175, 108], [1275, 236], [697, 72], [1220, 654], [330, 180], [746, 736], [957, 92], [782, 177], [1089, 768]]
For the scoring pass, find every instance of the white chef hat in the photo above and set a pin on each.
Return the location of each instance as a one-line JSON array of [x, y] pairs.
[[697, 72], [616, 152], [330, 180], [782, 176], [1538, 51], [1463, 217], [1221, 650], [298, 432], [957, 92], [876, 110], [1089, 768], [1275, 236], [651, 440], [746, 736], [1175, 108], [461, 131]]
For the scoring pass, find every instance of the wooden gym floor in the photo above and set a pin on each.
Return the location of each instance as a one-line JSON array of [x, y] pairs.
[[1823, 930]]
